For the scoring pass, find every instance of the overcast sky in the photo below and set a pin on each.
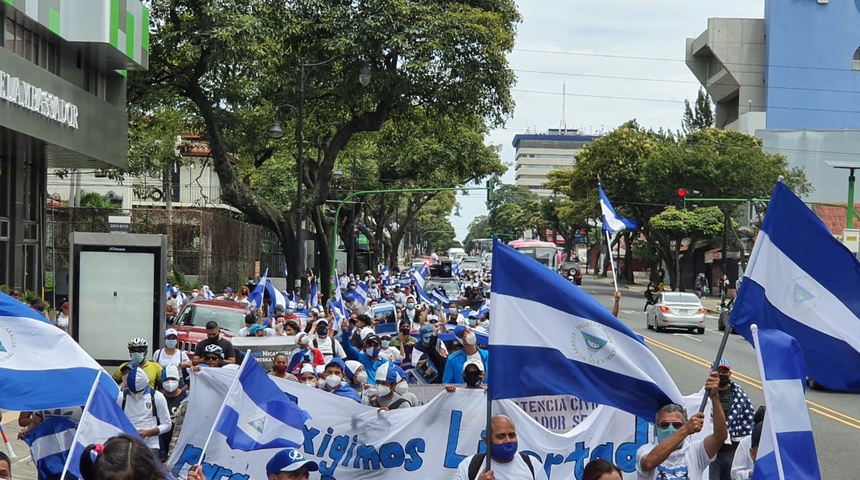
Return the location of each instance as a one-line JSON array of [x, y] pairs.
[[578, 43]]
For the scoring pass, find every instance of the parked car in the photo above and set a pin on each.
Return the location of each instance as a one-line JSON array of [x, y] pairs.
[[571, 271], [192, 319], [676, 310]]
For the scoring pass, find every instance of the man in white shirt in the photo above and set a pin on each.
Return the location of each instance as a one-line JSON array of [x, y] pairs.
[[673, 455], [146, 408], [506, 464]]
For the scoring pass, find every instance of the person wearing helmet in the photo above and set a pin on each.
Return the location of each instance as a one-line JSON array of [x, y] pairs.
[[213, 356], [213, 337], [137, 348]]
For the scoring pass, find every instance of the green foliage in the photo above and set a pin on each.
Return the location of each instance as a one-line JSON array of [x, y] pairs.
[[96, 200], [479, 227], [702, 117], [513, 210], [693, 224]]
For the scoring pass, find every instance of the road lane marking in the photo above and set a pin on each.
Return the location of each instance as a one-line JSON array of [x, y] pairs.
[[687, 335], [813, 406]]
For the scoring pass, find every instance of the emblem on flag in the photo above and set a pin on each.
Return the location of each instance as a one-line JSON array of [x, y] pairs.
[[258, 424], [590, 342]]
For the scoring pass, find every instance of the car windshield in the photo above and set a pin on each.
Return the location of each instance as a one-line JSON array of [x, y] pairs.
[[677, 297], [227, 318]]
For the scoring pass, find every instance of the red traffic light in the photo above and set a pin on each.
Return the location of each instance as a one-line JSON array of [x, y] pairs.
[[682, 192]]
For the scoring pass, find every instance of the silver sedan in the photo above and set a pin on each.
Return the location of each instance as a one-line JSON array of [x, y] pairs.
[[676, 310]]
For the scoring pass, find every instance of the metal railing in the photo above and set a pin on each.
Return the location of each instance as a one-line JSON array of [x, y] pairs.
[[183, 196]]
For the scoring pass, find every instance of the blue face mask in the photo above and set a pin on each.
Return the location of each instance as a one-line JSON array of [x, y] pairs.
[[427, 337], [137, 357], [452, 311], [664, 433], [504, 452]]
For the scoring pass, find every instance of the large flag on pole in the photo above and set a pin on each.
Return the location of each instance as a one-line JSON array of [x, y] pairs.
[[786, 450], [29, 367], [259, 415], [802, 281], [612, 222], [256, 296], [575, 340]]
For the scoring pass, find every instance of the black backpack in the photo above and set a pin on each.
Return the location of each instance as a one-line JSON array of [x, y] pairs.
[[152, 397], [478, 459]]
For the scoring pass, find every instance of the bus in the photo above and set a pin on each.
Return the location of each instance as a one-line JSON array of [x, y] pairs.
[[480, 246], [544, 252]]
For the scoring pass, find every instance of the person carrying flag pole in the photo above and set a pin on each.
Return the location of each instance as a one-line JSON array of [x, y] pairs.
[[612, 223]]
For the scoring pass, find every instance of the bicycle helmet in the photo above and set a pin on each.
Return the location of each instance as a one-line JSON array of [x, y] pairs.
[[214, 350], [137, 342]]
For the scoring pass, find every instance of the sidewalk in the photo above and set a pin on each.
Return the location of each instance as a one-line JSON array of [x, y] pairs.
[[711, 302]]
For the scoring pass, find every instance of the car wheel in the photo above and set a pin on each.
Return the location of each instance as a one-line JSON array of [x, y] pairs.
[[700, 330], [658, 328], [721, 323]]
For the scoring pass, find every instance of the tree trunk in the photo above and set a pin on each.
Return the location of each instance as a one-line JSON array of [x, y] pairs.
[[628, 257], [323, 227], [678, 283]]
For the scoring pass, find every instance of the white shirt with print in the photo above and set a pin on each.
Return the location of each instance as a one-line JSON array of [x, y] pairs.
[[687, 462], [516, 469]]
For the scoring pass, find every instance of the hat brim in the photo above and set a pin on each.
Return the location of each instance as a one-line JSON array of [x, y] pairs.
[[312, 466]]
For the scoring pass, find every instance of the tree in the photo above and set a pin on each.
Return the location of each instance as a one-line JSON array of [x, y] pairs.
[[479, 227], [96, 200], [232, 60], [702, 117], [513, 210], [672, 226]]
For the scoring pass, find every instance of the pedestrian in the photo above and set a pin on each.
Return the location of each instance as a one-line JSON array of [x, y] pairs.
[[175, 395], [290, 464], [505, 463], [473, 375], [124, 456], [213, 337], [145, 407], [600, 469], [672, 454], [739, 414], [392, 391], [137, 348], [650, 295], [742, 464], [61, 320], [170, 355], [5, 466], [453, 372], [280, 365]]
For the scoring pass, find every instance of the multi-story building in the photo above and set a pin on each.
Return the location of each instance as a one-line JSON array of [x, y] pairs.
[[539, 154], [62, 105]]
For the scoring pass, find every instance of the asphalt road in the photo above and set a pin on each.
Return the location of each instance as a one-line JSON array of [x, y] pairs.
[[687, 357]]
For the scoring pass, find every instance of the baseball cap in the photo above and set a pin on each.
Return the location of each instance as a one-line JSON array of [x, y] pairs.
[[289, 460], [256, 328], [171, 371], [475, 362], [229, 289], [432, 318], [425, 330], [458, 332], [724, 363], [171, 331]]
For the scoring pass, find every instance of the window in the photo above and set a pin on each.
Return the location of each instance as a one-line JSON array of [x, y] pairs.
[[855, 63]]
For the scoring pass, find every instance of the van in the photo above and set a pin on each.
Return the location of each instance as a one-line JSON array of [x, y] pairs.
[[456, 253]]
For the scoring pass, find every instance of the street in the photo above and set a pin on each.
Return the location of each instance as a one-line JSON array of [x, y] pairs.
[[835, 416]]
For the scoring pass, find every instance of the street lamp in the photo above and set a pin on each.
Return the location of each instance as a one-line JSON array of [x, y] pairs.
[[277, 132], [850, 166]]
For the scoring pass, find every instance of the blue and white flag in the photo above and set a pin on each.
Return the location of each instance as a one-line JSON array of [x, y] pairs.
[[50, 443], [259, 415], [286, 271], [29, 368], [275, 297], [440, 298], [455, 269], [207, 293], [424, 298], [585, 350], [256, 296], [418, 279], [386, 276], [802, 281], [483, 309], [786, 450], [314, 295], [363, 291], [102, 419], [424, 270], [612, 222]]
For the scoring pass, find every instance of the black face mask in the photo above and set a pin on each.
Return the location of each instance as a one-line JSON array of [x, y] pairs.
[[322, 331], [472, 379], [724, 380], [404, 332]]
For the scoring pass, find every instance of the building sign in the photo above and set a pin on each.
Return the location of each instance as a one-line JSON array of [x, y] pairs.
[[14, 90]]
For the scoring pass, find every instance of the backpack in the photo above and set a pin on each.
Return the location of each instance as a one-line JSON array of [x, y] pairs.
[[478, 459], [152, 397]]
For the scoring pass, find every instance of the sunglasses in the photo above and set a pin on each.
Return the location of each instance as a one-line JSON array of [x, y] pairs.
[[211, 358], [665, 425]]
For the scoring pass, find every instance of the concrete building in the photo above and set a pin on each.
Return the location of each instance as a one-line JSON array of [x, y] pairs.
[[539, 154], [62, 105]]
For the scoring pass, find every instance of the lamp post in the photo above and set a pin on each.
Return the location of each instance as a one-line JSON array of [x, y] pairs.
[[276, 132], [850, 166]]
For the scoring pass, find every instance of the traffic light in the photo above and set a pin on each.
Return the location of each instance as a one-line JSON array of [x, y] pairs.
[[491, 185], [680, 203]]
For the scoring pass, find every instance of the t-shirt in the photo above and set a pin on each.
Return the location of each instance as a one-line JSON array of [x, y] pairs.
[[516, 469], [164, 359], [689, 462], [152, 369], [742, 463], [225, 345]]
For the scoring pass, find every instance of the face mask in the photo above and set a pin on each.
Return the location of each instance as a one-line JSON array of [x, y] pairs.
[[279, 367], [470, 339], [360, 378], [427, 338], [372, 352], [322, 331], [289, 311], [385, 343], [333, 381], [311, 383], [137, 357], [401, 388], [410, 306], [472, 322], [300, 307], [664, 433], [382, 390], [504, 452], [452, 311], [170, 343], [320, 382], [170, 386], [194, 294], [724, 380], [472, 379]]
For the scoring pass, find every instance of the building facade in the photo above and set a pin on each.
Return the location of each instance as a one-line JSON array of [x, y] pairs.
[[62, 105], [539, 154]]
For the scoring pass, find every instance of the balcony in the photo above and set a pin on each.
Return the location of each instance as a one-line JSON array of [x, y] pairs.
[[184, 196]]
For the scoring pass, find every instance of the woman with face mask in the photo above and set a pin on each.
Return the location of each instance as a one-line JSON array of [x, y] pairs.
[[357, 378], [173, 391], [279, 368], [170, 354], [392, 391]]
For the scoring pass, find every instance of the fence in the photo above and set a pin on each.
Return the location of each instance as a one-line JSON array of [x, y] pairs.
[[211, 245]]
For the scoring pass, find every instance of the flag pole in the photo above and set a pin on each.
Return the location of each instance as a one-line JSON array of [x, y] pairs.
[[12, 455], [224, 405], [488, 439], [612, 261], [77, 430], [716, 363]]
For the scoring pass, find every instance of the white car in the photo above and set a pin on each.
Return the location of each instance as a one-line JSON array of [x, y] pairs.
[[676, 310]]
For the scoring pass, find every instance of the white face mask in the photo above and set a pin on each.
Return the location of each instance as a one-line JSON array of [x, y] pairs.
[[311, 383], [401, 388], [385, 343], [360, 378], [170, 386], [333, 381], [382, 390], [320, 382], [470, 339]]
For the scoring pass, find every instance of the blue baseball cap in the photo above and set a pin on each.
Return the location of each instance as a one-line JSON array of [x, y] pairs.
[[289, 460]]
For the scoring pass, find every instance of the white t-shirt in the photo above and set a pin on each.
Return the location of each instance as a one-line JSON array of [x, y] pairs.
[[162, 358], [688, 462], [742, 464], [138, 408], [516, 469]]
